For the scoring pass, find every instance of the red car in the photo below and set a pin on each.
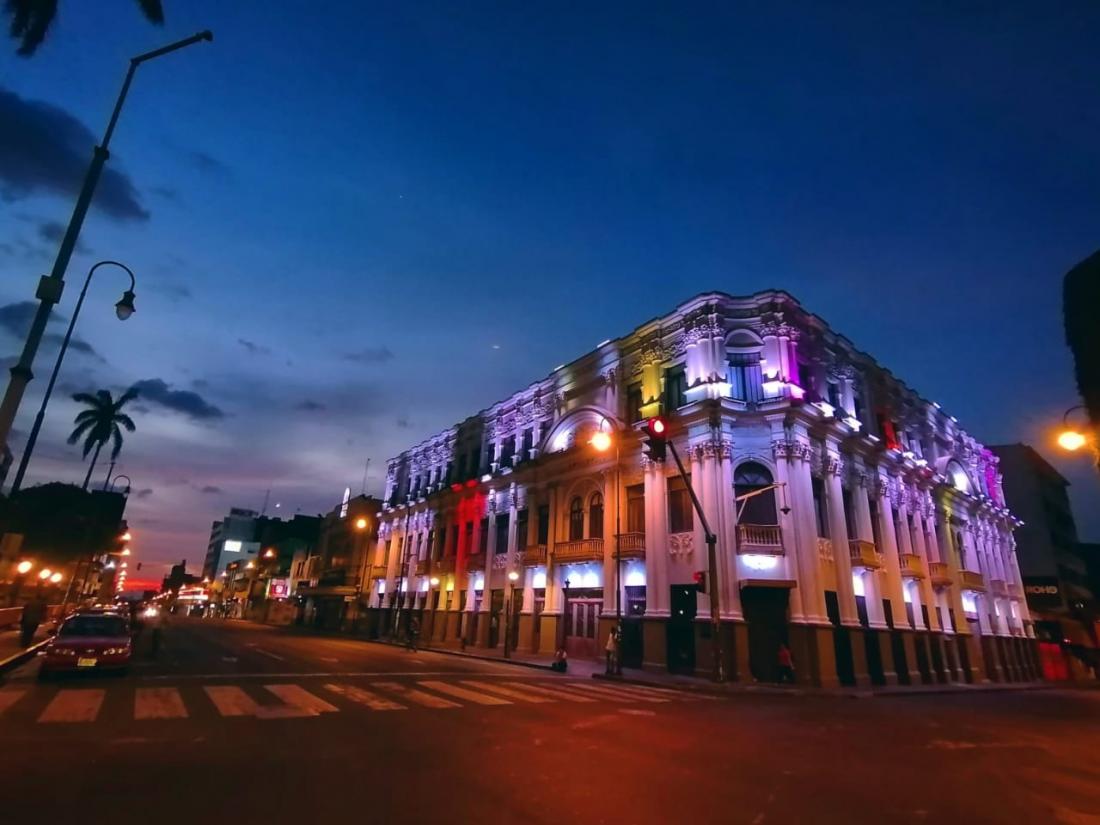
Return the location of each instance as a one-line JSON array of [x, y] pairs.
[[89, 642]]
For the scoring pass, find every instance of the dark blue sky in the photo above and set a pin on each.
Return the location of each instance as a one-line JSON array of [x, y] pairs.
[[355, 227]]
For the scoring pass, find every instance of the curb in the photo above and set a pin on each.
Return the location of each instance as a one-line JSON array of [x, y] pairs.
[[734, 689], [463, 654], [22, 656]]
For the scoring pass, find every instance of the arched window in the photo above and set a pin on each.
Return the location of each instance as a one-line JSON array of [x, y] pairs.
[[743, 351], [576, 519], [959, 479], [595, 516], [760, 509]]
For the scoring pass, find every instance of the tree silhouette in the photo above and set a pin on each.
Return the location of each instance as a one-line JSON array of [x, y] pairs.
[[103, 421], [1080, 302], [31, 19]]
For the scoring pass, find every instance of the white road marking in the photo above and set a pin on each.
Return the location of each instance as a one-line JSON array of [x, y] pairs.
[[374, 674], [231, 701], [643, 693], [73, 706], [464, 693], [418, 696], [268, 653], [159, 703], [297, 696], [9, 698], [364, 697], [611, 693], [555, 691], [521, 695]]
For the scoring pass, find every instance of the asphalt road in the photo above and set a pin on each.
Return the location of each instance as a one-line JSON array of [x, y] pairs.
[[237, 722]]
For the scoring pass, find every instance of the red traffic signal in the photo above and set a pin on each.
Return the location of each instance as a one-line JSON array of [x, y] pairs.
[[656, 433], [700, 579]]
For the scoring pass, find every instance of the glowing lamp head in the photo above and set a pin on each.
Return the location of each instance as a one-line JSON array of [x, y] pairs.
[[269, 553], [125, 551], [125, 536], [250, 565], [513, 575], [125, 307], [24, 567], [55, 578], [434, 581], [360, 524], [1071, 440], [45, 573], [601, 441]]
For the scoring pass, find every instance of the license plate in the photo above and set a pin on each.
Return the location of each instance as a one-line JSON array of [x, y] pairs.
[[85, 662]]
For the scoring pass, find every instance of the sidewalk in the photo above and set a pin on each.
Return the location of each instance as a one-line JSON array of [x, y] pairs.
[[12, 654]]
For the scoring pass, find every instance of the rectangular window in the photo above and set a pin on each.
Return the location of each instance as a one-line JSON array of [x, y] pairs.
[[675, 389], [483, 539], [461, 468], [746, 376], [876, 530], [833, 394], [819, 508], [468, 544], [544, 524], [454, 540], [528, 443], [680, 516], [635, 508], [502, 533], [448, 476], [849, 516], [507, 450], [521, 531], [634, 403]]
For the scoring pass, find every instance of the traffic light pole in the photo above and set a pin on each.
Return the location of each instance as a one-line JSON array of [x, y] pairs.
[[712, 569]]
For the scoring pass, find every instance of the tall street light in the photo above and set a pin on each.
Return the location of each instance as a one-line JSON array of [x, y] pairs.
[[123, 309], [50, 286], [602, 441], [1072, 438]]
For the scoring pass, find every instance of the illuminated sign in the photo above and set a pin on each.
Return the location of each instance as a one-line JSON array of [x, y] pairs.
[[278, 588], [231, 546]]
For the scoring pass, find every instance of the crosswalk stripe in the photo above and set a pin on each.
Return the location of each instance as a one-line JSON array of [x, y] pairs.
[[643, 693], [555, 692], [613, 693], [298, 697], [159, 703], [523, 696], [418, 696], [9, 698], [73, 706], [365, 697], [230, 700], [463, 693]]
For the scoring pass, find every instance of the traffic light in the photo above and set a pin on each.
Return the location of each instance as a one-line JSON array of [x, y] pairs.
[[700, 578], [656, 435]]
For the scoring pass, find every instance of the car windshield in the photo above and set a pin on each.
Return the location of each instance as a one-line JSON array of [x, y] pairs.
[[94, 626]]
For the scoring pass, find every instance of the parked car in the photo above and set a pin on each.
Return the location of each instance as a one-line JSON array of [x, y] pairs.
[[92, 641]]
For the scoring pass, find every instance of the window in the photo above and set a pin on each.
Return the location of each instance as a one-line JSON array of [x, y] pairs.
[[449, 474], [675, 389], [634, 403], [475, 461], [544, 524], [468, 544], [746, 377], [507, 450], [502, 533], [820, 512], [635, 508], [483, 537], [521, 530], [876, 530], [833, 394], [680, 516], [752, 477], [595, 516], [576, 519], [528, 443], [849, 515], [461, 468]]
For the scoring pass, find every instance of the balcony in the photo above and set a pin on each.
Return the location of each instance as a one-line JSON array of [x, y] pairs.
[[937, 571], [422, 567], [998, 587], [533, 556], [969, 580], [632, 545], [377, 571], [475, 561], [443, 566], [825, 549], [912, 567], [581, 550], [864, 554], [1013, 590], [760, 539]]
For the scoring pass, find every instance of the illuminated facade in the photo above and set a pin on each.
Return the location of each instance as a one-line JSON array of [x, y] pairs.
[[877, 544]]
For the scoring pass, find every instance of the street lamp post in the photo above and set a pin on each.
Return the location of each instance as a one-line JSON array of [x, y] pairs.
[[433, 583], [123, 309], [602, 441], [512, 577], [50, 286]]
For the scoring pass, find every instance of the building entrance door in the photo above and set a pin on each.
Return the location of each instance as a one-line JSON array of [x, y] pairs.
[[496, 608], [582, 624], [681, 629], [766, 617]]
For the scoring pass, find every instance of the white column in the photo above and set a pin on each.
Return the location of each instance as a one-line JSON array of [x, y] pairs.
[[656, 539], [891, 560], [725, 527], [872, 580], [610, 500], [792, 458], [838, 532]]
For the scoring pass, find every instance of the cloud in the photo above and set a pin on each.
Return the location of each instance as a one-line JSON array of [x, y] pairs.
[[370, 355], [144, 493], [16, 318], [75, 344], [309, 405], [208, 163], [403, 423], [211, 490], [191, 404], [253, 348], [44, 149], [167, 192]]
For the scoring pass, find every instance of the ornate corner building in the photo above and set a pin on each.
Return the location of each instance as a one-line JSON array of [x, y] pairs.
[[857, 523]]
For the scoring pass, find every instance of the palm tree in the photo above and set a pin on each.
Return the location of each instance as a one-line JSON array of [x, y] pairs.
[[31, 19], [101, 423]]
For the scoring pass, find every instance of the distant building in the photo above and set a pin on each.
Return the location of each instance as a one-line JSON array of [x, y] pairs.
[[231, 539], [1053, 563], [855, 521]]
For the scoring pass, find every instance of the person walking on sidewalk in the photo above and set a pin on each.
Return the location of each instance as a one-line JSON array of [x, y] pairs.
[[413, 634], [34, 612], [784, 665], [611, 649]]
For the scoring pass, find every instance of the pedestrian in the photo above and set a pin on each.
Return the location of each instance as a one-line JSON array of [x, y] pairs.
[[34, 612], [784, 665], [414, 633], [611, 651], [155, 619], [561, 661]]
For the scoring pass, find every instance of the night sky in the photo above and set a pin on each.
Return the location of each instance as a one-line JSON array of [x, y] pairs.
[[354, 224]]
